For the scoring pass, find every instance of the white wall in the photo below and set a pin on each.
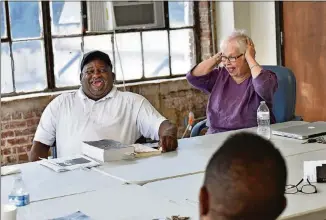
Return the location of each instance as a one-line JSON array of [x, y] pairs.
[[242, 16], [225, 21], [257, 18], [263, 31]]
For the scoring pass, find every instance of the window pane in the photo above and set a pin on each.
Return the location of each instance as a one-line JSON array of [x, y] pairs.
[[182, 51], [25, 19], [6, 71], [99, 42], [3, 20], [180, 13], [156, 55], [129, 49], [29, 61], [67, 56], [66, 17]]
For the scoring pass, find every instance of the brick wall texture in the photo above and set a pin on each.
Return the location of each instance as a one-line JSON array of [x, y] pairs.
[[173, 99]]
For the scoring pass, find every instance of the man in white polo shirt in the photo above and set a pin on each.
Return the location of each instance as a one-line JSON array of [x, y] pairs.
[[99, 111]]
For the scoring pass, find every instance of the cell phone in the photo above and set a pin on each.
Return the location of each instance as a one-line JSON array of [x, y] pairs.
[[321, 173]]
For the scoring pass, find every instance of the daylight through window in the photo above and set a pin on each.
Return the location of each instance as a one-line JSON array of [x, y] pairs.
[[42, 44]]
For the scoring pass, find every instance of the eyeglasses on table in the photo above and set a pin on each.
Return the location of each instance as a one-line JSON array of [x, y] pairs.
[[306, 188]]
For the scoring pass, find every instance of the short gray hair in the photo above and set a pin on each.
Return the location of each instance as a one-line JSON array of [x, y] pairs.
[[239, 36]]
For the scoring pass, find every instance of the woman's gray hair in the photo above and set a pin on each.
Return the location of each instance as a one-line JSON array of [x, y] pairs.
[[239, 36]]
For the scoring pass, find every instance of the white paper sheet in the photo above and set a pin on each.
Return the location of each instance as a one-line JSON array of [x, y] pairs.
[[69, 163], [309, 170]]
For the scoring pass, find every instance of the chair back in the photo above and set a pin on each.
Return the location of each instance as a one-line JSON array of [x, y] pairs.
[[285, 95], [54, 150]]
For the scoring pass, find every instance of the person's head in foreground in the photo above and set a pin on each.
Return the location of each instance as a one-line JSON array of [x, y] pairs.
[[245, 180], [96, 74], [235, 52]]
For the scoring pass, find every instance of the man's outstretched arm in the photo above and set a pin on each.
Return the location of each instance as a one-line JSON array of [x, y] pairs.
[[38, 151], [45, 134]]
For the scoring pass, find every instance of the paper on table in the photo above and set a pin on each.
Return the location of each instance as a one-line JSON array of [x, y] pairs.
[[68, 163], [74, 216], [8, 170], [309, 169], [145, 151]]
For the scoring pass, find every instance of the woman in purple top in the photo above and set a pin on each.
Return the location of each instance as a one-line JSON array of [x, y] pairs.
[[236, 87]]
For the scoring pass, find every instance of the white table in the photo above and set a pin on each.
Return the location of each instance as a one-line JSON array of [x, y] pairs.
[[288, 146], [43, 183], [118, 202], [191, 157], [169, 165], [100, 196], [300, 206], [182, 189]]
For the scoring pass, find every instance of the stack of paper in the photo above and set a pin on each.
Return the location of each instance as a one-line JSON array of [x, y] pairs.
[[107, 150], [68, 163], [145, 151]]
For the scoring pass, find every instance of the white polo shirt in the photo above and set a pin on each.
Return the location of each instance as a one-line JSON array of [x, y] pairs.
[[72, 118]]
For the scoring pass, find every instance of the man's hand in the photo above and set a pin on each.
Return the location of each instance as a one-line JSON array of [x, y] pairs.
[[168, 137]]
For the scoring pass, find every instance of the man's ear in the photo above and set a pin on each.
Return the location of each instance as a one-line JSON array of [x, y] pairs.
[[113, 77], [80, 77], [203, 201]]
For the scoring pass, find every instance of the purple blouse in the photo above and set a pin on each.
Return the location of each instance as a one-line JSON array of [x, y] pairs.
[[234, 106]]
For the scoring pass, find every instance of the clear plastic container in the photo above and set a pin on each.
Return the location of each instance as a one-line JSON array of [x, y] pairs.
[[263, 120], [18, 195]]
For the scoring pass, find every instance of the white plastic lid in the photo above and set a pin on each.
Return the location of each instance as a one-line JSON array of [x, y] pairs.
[[8, 208]]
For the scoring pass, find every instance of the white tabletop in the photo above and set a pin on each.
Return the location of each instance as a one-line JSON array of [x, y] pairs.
[[140, 171], [179, 189], [179, 176], [191, 157], [300, 204], [43, 183], [118, 202], [187, 189], [288, 146]]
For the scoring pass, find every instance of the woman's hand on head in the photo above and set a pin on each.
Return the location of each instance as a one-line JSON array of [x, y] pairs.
[[218, 57], [250, 51]]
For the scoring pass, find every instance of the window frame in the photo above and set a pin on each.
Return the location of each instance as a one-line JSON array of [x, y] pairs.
[[47, 38]]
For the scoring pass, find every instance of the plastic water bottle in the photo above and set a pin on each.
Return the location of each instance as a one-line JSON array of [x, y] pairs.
[[263, 120], [18, 195]]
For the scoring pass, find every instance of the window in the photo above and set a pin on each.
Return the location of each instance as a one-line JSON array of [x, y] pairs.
[[42, 44], [67, 47], [22, 55]]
